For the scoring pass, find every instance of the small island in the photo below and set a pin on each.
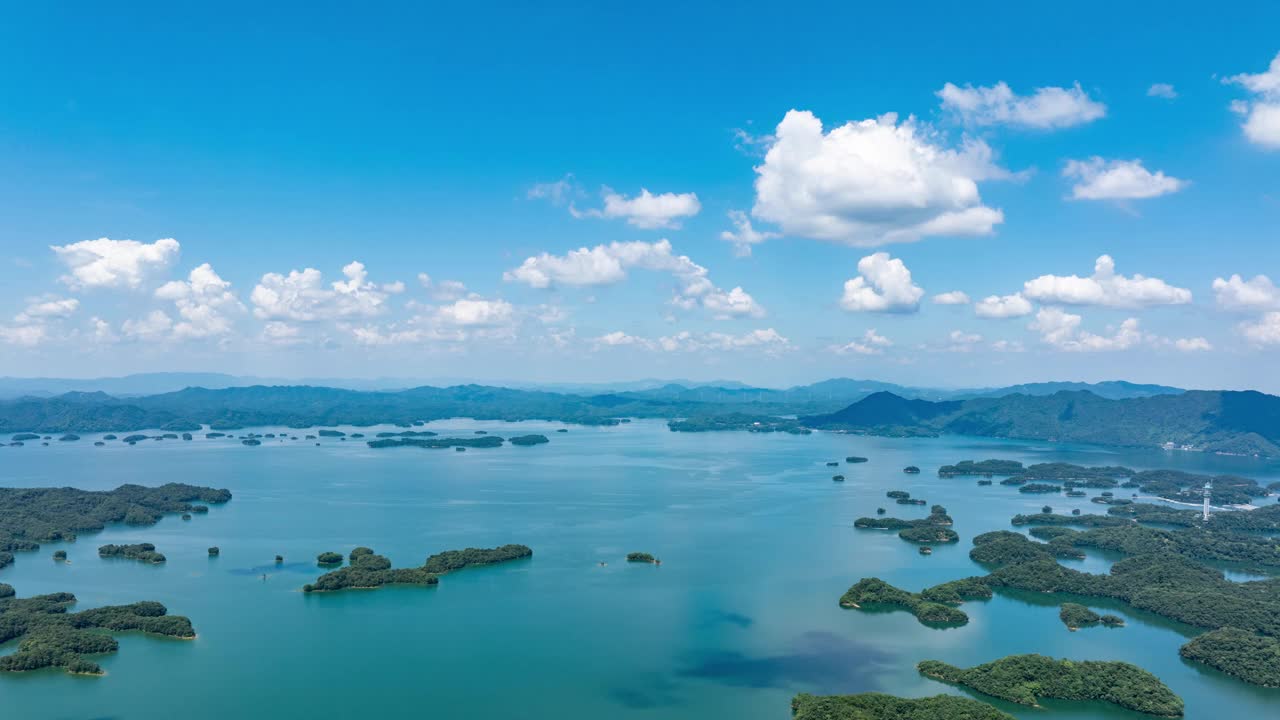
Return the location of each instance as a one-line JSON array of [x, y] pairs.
[[329, 558], [911, 470], [369, 570], [1251, 657], [878, 706], [451, 560], [855, 459], [1024, 679], [1076, 616], [641, 557], [932, 606], [214, 551], [837, 478], [142, 552], [50, 636], [485, 441], [527, 440]]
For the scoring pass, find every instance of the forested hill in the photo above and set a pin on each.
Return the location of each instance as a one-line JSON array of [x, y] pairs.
[[1216, 421]]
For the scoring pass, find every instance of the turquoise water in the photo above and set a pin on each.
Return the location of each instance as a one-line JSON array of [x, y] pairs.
[[757, 546]]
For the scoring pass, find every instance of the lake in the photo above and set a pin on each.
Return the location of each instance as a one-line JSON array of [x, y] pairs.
[[756, 540]]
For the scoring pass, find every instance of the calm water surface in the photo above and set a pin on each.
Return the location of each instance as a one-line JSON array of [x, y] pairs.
[[756, 540]]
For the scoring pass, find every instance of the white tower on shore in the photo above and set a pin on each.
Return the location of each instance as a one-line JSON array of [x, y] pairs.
[[1208, 490]]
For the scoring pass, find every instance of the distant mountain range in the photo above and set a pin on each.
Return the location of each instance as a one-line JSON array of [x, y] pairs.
[[1113, 413], [1246, 423], [837, 390]]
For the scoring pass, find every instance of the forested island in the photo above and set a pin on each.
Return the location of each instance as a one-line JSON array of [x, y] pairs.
[[30, 516], [485, 441], [50, 636], [1024, 679], [932, 606], [738, 421], [878, 706], [367, 569], [1169, 484], [142, 552], [934, 529], [641, 557], [1076, 616]]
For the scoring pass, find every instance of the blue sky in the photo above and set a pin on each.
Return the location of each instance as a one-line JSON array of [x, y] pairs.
[[482, 146]]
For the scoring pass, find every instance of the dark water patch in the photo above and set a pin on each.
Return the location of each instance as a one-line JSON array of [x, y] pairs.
[[715, 617], [304, 568], [651, 693], [820, 661]]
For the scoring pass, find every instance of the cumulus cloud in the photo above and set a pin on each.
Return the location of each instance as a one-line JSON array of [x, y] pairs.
[[871, 343], [559, 192], [1263, 331], [883, 285], [1262, 112], [153, 326], [767, 341], [608, 264], [1013, 346], [1236, 293], [743, 235], [1048, 108], [302, 296], [276, 332], [47, 307], [1003, 306], [955, 297], [960, 341], [204, 301], [1195, 344], [1162, 90], [872, 182], [443, 290], [107, 263], [646, 210], [1105, 288], [1100, 179], [1061, 330], [476, 312], [22, 335]]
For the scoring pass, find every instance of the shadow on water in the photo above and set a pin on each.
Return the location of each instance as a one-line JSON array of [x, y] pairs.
[[651, 691], [293, 567], [716, 617], [821, 661]]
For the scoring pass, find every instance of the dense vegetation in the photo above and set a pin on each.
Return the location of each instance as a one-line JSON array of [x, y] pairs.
[[738, 421], [30, 516], [1216, 421], [526, 440], [142, 552], [52, 637], [367, 569], [1250, 657], [1024, 679], [1170, 484], [486, 441], [641, 557], [931, 606], [933, 529], [329, 558], [877, 706], [451, 560], [1076, 616]]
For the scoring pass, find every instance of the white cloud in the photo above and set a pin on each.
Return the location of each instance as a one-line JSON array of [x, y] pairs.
[[444, 290], [607, 264], [22, 335], [106, 263], [960, 341], [276, 332], [767, 341], [1162, 90], [154, 326], [618, 338], [1105, 288], [646, 210], [301, 295], [1061, 330], [1236, 293], [1195, 344], [1262, 113], [47, 307], [743, 235], [883, 285], [1047, 108], [871, 343], [558, 192], [102, 331], [1118, 180], [1003, 306], [955, 297], [1263, 331], [872, 182], [1007, 346], [204, 302], [476, 312]]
